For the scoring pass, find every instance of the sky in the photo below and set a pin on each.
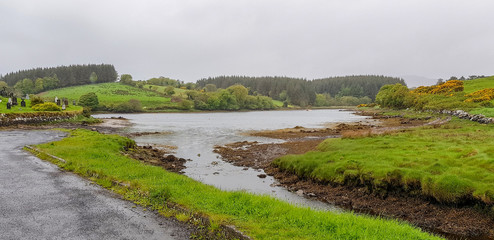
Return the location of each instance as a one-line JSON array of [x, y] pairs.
[[193, 39]]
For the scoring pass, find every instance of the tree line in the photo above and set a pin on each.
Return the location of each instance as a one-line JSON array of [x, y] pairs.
[[303, 92], [41, 79]]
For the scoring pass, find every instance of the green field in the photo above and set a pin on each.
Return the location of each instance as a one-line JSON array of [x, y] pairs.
[[453, 163], [111, 94], [99, 157]]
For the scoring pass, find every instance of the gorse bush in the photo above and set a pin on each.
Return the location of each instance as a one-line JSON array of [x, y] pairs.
[[445, 88], [48, 106], [481, 95]]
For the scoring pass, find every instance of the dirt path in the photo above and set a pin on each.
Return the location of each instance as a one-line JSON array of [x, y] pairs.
[[450, 221]]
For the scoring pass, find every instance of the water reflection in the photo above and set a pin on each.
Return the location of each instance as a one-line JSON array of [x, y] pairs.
[[195, 135]]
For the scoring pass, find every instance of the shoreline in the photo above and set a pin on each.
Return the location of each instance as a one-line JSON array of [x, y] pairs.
[[449, 221]]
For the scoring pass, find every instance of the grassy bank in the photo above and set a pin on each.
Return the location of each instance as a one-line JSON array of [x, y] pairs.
[[99, 157], [452, 163]]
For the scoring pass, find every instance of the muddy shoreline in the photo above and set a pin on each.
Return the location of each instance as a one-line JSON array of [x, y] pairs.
[[452, 222]]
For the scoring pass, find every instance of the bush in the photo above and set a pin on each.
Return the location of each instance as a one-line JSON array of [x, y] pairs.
[[35, 100], [49, 106], [185, 105], [89, 100], [394, 96], [133, 105]]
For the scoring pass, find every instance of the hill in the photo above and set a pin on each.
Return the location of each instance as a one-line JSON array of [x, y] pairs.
[[303, 92], [111, 95], [475, 96], [41, 79]]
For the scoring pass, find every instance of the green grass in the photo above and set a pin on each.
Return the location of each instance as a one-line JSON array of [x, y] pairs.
[[111, 93], [471, 86], [99, 157], [453, 163], [27, 109]]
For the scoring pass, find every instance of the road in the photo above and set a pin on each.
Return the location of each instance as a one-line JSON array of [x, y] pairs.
[[38, 201]]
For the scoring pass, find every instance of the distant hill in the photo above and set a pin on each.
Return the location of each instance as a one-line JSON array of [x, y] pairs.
[[303, 92]]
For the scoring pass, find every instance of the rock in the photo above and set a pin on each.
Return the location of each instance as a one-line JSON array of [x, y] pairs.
[[245, 168], [216, 173], [300, 192], [214, 163], [262, 175]]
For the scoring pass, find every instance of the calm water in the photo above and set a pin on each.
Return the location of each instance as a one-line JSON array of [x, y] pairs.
[[196, 134]]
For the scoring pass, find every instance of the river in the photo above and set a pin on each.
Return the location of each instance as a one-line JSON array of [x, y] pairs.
[[195, 135]]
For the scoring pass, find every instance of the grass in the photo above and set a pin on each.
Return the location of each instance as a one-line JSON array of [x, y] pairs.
[[453, 163], [471, 86], [27, 109], [111, 94], [99, 157]]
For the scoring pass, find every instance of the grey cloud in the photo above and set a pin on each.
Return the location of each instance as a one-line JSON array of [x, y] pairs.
[[191, 39]]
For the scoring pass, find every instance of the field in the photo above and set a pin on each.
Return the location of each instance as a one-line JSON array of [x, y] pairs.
[[99, 157], [453, 163], [111, 94]]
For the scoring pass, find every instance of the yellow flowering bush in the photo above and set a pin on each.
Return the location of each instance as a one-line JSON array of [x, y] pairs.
[[444, 89], [481, 95]]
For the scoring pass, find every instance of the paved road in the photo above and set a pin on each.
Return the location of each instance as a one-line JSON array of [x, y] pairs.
[[38, 201]]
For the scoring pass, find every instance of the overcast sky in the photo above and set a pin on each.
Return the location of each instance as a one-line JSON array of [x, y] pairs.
[[193, 39]]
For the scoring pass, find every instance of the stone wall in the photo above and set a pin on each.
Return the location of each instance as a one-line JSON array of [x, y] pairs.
[[8, 119], [472, 117]]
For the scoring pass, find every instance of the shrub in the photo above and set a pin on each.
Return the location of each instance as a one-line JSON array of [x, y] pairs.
[[445, 88], [89, 100], [483, 95], [185, 105], [49, 106], [133, 105], [35, 100], [394, 96]]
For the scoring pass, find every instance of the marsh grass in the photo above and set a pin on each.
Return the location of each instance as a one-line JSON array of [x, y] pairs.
[[452, 163], [99, 157]]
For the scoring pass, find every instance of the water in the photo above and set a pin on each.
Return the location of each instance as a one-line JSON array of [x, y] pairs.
[[196, 134]]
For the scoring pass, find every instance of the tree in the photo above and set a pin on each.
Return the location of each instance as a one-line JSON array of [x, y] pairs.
[[127, 80], [169, 91], [394, 96], [240, 93], [25, 86], [3, 84], [93, 78], [89, 100], [38, 85], [210, 88]]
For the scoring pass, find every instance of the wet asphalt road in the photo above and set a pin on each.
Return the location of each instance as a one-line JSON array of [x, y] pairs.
[[38, 201]]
